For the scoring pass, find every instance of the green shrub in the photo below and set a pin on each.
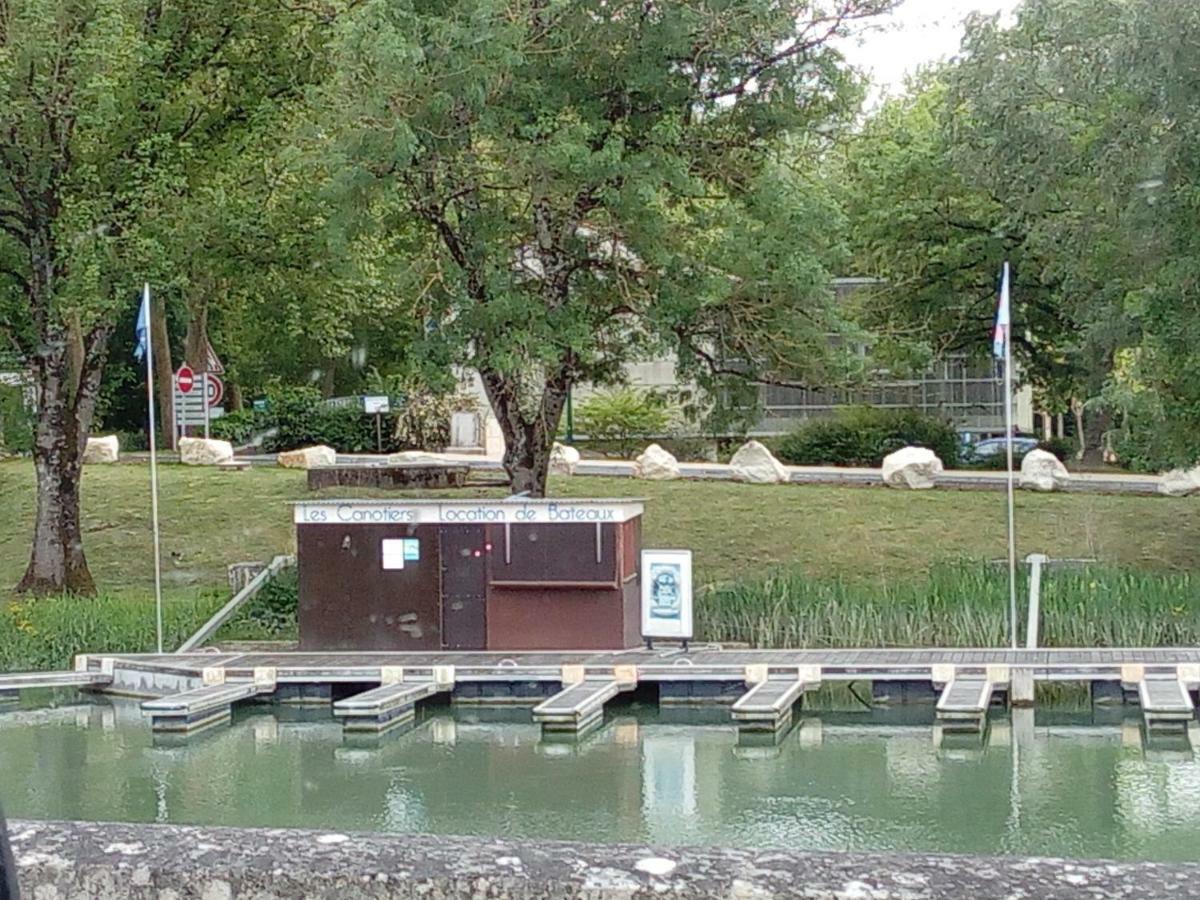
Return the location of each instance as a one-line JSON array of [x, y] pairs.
[[624, 417], [1064, 448], [864, 435], [269, 614], [240, 426], [16, 420]]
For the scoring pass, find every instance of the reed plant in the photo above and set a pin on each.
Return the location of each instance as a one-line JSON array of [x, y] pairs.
[[961, 605]]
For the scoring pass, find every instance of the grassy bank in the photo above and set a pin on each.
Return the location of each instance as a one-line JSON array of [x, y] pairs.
[[788, 564], [212, 518]]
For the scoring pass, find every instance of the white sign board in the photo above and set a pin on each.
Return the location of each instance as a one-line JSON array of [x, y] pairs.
[[432, 512], [396, 551], [374, 406], [667, 594]]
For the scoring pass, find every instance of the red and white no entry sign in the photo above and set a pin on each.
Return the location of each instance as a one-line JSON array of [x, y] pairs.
[[185, 379]]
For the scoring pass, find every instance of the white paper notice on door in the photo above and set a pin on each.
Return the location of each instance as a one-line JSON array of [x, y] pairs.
[[393, 552]]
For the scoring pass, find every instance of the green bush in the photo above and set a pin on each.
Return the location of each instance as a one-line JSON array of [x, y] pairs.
[[624, 417], [240, 426], [1064, 448], [864, 435], [16, 420], [269, 614]]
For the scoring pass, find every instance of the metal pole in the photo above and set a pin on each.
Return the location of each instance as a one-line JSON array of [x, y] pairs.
[[204, 396], [1008, 426], [158, 613], [1035, 561]]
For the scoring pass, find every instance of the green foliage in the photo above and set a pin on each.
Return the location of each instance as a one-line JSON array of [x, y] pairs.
[[957, 606], [16, 420], [623, 417], [580, 186], [863, 436], [1064, 448], [270, 614], [240, 426], [47, 633]]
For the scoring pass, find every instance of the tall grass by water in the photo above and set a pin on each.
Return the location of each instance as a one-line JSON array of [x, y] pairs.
[[956, 606]]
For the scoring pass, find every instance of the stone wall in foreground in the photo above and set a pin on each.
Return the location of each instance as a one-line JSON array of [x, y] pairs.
[[92, 861]]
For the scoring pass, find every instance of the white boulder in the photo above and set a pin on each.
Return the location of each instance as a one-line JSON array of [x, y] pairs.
[[1180, 482], [915, 468], [563, 459], [1043, 471], [102, 450], [656, 464], [195, 451], [307, 457], [755, 464]]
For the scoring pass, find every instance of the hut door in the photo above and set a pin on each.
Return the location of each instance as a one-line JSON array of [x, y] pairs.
[[464, 587]]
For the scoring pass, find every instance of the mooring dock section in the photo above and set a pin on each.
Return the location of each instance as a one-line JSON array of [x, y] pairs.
[[394, 702], [569, 690], [579, 706]]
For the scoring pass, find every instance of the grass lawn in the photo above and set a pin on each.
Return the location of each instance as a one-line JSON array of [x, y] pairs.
[[211, 518]]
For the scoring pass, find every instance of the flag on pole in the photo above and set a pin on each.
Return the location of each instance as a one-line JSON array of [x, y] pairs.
[[1003, 321], [142, 329]]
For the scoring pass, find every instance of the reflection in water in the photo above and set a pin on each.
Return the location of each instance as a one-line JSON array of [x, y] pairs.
[[1057, 785]]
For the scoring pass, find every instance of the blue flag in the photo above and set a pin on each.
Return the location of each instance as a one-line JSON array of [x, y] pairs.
[[1003, 321], [142, 329]]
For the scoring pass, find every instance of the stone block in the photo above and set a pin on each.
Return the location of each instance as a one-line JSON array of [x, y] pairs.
[[1180, 482], [307, 457], [754, 463], [914, 468], [1043, 471], [102, 450], [563, 459], [204, 452], [656, 464]]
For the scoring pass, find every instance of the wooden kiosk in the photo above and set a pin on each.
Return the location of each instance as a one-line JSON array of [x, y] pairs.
[[514, 574]]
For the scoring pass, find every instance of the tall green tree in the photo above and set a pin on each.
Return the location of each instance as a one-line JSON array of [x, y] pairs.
[[112, 111], [594, 182]]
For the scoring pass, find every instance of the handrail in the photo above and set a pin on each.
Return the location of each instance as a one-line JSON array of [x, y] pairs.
[[253, 586]]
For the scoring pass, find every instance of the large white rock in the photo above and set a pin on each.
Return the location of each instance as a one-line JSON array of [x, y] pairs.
[[911, 467], [1041, 470], [195, 451], [1180, 482], [101, 450], [307, 457], [755, 464], [656, 464], [563, 459]]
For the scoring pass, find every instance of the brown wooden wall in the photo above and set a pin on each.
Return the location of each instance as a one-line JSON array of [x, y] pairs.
[[552, 594], [348, 601]]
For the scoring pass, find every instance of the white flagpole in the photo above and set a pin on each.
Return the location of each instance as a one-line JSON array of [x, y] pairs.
[[1008, 429], [158, 612]]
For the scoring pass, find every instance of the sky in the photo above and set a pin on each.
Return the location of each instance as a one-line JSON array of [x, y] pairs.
[[920, 31]]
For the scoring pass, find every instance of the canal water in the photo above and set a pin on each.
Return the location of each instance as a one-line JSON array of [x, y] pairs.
[[1056, 786]]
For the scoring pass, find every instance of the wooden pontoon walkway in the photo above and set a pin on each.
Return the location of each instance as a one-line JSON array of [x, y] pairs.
[[698, 664]]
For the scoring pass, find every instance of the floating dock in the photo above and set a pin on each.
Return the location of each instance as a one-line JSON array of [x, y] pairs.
[[568, 691]]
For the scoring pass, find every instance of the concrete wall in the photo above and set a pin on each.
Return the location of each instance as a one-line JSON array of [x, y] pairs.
[[64, 861]]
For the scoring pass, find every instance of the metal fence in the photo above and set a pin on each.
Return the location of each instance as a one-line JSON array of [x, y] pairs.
[[958, 388]]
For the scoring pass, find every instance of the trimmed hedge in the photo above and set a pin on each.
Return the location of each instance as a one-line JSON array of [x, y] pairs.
[[864, 435]]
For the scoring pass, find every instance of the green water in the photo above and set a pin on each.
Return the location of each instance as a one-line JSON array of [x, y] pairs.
[[837, 782]]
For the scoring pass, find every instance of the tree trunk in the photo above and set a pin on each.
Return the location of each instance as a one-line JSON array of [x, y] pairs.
[[164, 371], [1077, 409], [527, 440], [57, 563]]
